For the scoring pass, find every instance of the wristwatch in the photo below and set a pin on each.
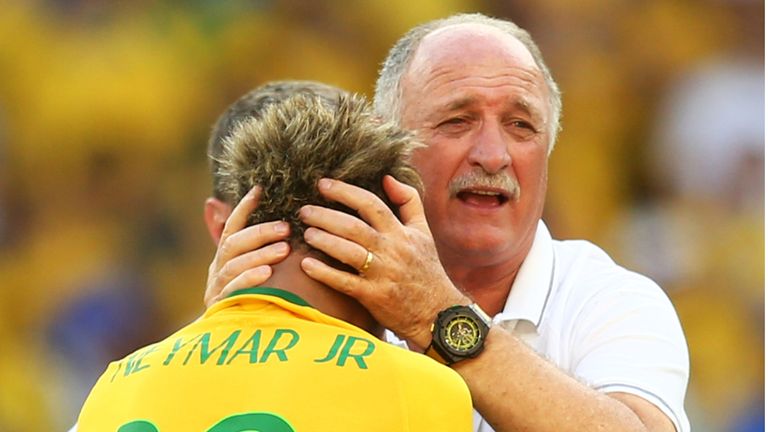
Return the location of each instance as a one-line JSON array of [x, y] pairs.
[[458, 333]]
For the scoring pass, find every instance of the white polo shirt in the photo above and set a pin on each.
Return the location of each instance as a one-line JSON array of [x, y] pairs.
[[611, 328]]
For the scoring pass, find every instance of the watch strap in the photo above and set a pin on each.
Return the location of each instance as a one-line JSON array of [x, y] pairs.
[[435, 355]]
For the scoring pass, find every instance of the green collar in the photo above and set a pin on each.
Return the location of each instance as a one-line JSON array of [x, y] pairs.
[[277, 292]]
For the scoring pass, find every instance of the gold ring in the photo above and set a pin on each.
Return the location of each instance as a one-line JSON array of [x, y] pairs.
[[367, 263]]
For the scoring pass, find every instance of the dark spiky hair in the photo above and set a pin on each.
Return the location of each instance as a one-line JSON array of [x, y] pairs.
[[302, 138]]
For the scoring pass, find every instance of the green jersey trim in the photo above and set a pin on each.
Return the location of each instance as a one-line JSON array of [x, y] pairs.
[[277, 292]]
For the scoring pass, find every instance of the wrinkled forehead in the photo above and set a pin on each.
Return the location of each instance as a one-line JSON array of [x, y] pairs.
[[469, 43]]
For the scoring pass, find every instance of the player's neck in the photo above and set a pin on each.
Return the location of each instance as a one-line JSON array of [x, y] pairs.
[[287, 275]]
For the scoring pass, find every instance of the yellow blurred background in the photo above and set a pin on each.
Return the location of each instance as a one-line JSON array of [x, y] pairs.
[[105, 109]]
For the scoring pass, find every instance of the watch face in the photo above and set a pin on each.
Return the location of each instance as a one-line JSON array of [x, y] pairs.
[[462, 334], [458, 333]]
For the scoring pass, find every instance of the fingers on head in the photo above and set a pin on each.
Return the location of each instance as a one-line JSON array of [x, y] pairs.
[[252, 238], [333, 222], [337, 279], [248, 279], [239, 217], [339, 248]]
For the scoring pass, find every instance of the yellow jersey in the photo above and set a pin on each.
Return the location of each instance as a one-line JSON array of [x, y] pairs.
[[265, 360]]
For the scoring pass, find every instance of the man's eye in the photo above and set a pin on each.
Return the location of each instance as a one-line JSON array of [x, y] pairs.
[[522, 129], [523, 124], [453, 125]]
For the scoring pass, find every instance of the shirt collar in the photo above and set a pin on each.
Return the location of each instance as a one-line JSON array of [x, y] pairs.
[[267, 294], [533, 283], [277, 292]]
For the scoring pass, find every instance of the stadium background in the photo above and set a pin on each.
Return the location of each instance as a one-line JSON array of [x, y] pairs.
[[105, 108]]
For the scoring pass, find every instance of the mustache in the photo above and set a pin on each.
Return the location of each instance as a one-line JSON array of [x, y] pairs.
[[479, 178]]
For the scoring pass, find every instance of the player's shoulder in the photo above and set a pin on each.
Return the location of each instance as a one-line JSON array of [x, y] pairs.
[[422, 370], [169, 343], [435, 396]]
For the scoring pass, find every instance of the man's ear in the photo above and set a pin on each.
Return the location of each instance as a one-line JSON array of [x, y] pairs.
[[215, 213]]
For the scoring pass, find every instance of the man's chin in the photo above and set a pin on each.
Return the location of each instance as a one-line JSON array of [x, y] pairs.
[[484, 244]]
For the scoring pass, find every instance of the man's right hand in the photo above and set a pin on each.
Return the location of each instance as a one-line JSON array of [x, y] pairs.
[[244, 255], [404, 285]]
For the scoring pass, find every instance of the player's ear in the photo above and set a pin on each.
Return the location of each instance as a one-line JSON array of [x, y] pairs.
[[215, 213]]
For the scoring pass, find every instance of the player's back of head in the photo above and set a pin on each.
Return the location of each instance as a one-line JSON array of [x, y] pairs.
[[251, 106], [298, 140]]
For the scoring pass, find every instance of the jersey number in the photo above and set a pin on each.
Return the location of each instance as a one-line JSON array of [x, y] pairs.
[[249, 422]]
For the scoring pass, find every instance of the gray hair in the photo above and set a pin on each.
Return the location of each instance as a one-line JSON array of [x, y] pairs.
[[388, 96]]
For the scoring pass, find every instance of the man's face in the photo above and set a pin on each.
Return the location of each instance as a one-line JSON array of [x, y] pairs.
[[476, 98]]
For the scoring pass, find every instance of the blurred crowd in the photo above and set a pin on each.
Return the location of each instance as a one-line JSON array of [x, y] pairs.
[[105, 108]]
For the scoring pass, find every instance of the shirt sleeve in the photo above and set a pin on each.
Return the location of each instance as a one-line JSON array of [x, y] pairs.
[[629, 339]]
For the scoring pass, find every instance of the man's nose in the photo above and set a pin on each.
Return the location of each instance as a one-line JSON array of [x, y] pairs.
[[490, 149]]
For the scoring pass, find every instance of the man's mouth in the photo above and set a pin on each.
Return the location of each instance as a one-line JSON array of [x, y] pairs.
[[484, 197]]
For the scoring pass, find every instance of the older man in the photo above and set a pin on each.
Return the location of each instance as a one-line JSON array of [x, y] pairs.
[[576, 342]]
